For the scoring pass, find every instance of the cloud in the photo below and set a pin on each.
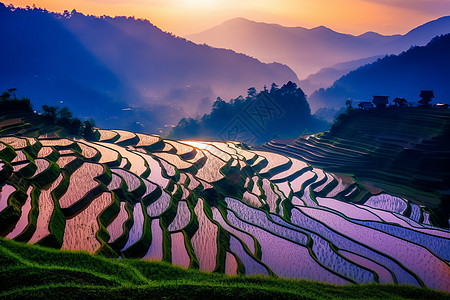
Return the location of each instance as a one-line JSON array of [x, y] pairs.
[[429, 6]]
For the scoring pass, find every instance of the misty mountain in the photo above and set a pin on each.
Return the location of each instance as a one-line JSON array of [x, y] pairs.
[[326, 76], [307, 51], [405, 75], [119, 70]]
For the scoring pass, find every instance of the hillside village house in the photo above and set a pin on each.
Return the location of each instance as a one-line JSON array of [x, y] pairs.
[[383, 101], [400, 102], [380, 101]]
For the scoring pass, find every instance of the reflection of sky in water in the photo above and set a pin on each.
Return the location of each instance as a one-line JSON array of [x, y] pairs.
[[138, 226], [180, 256], [156, 250], [319, 238]]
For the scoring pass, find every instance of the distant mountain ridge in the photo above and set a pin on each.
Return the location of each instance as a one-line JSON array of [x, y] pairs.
[[119, 70], [326, 76], [404, 75], [307, 51]]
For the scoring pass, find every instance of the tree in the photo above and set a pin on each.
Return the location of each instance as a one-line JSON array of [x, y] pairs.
[[348, 105], [343, 117], [251, 92], [64, 117], [12, 91], [282, 113], [75, 126], [218, 104], [50, 112], [273, 87], [65, 114], [5, 96], [87, 129], [290, 88], [13, 104]]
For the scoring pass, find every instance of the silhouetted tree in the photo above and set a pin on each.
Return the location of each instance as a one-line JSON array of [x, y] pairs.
[[75, 126], [5, 96], [289, 87], [343, 117], [50, 112], [87, 129], [218, 104], [251, 92], [13, 104], [12, 91], [348, 105], [64, 115], [280, 113], [273, 87]]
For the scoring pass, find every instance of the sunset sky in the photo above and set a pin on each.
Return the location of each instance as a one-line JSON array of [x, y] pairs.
[[183, 17]]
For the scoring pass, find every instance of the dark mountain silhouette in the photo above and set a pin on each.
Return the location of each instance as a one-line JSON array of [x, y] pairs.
[[120, 69], [405, 75], [275, 113], [307, 51]]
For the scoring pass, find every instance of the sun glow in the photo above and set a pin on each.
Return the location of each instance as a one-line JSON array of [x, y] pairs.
[[200, 4], [184, 17]]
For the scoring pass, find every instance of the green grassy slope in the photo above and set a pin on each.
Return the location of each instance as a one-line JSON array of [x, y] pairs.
[[32, 271]]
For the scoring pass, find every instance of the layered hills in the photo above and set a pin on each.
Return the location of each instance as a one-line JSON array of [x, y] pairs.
[[404, 75], [119, 70], [307, 51]]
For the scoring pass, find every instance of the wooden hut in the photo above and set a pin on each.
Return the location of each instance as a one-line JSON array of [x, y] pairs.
[[380, 101], [400, 102]]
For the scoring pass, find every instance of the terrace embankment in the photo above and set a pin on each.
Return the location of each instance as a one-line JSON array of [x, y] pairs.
[[402, 151]]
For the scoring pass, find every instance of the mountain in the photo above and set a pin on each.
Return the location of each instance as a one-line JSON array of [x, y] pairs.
[[122, 68], [420, 35], [327, 76], [307, 51], [218, 207], [404, 75]]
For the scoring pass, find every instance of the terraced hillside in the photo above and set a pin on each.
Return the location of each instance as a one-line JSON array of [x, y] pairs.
[[30, 271], [402, 151], [212, 206]]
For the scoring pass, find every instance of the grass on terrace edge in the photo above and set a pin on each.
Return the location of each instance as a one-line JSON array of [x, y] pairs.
[[29, 271]]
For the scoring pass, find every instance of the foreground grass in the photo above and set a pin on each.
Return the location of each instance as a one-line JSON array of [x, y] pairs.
[[36, 272]]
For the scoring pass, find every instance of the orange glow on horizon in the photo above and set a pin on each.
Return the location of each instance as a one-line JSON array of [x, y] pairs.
[[183, 17]]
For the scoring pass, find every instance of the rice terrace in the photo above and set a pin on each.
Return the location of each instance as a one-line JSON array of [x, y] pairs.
[[222, 157], [213, 206]]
